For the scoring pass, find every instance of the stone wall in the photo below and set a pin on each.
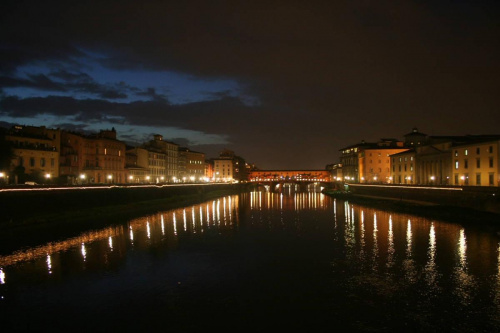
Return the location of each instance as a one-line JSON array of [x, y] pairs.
[[476, 197]]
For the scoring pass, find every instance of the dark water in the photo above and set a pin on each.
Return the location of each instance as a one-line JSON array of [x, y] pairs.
[[260, 261]]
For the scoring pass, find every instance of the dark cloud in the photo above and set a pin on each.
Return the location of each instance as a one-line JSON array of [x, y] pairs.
[[152, 94], [322, 74]]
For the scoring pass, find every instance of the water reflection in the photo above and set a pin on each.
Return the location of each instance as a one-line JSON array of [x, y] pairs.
[[465, 282], [430, 267], [396, 257], [409, 262], [390, 244]]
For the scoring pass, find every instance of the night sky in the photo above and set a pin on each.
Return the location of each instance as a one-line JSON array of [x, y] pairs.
[[285, 84]]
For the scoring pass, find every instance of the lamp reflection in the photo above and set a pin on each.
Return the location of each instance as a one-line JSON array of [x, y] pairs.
[[390, 244], [49, 264], [84, 252]]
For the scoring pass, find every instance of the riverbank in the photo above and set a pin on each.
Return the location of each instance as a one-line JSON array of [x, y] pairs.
[[25, 226], [448, 213]]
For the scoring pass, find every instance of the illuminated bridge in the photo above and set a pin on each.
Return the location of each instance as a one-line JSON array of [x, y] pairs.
[[279, 178]]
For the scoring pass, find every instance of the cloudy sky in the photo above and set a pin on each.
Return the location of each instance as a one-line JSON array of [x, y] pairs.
[[285, 84]]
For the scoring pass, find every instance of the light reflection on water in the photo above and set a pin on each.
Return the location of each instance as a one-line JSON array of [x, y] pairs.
[[384, 257]]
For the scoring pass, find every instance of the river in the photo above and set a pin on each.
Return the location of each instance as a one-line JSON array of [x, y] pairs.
[[259, 260]]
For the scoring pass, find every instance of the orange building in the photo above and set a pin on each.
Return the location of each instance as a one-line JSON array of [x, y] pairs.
[[370, 162], [98, 158]]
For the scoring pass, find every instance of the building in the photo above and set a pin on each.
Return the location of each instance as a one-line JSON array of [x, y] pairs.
[[369, 162], [137, 165], [166, 154], [96, 158], [223, 170], [403, 167], [35, 153], [191, 165], [476, 163], [335, 171], [229, 167]]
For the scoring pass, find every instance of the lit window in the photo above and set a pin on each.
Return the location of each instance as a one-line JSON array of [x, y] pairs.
[[466, 152], [456, 165]]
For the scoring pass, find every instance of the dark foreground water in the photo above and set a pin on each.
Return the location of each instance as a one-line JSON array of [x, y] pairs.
[[259, 261]]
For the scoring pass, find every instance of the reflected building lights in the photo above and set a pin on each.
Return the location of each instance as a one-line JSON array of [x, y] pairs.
[[162, 225], [390, 244], [174, 223], [218, 212], [84, 252], [148, 230], [208, 215], [2, 277], [430, 267], [110, 242], [184, 219], [201, 218], [224, 209], [408, 239], [375, 241], [362, 236], [131, 235], [462, 247], [49, 264], [193, 219]]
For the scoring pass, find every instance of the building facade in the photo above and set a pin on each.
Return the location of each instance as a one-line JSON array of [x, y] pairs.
[[191, 165], [370, 162], [36, 152], [167, 154], [403, 167], [137, 165], [476, 164]]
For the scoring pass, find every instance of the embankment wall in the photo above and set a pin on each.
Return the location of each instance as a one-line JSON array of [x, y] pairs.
[[12, 203], [479, 198]]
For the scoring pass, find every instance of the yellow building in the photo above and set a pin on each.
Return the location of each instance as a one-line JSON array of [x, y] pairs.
[[36, 151], [137, 165], [169, 159], [403, 167], [476, 163], [223, 170]]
